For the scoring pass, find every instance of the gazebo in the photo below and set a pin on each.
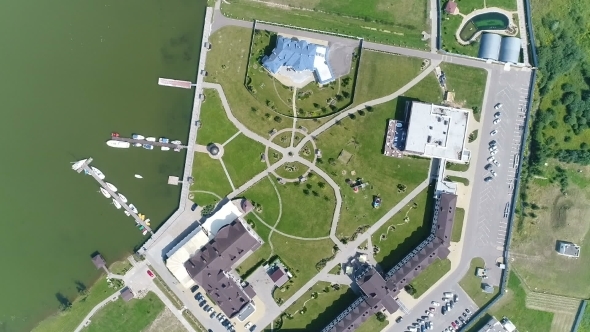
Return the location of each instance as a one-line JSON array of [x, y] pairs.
[[98, 261], [127, 294]]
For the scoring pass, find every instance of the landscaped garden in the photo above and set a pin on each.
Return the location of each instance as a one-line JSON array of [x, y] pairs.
[[242, 158], [291, 170], [215, 126], [208, 175]]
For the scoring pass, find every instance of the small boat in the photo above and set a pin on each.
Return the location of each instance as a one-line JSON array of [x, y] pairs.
[[126, 213], [141, 227], [137, 145], [137, 136], [148, 146], [118, 144], [164, 140], [114, 134], [141, 216], [97, 172], [144, 232], [116, 204], [150, 139], [147, 221], [133, 208], [137, 176], [165, 148], [78, 164], [177, 142], [111, 187], [105, 193], [123, 198], [176, 149]]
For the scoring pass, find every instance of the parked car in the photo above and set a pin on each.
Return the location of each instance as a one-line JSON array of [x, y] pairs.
[[150, 273], [194, 207], [488, 179], [467, 311], [496, 163], [443, 310], [498, 106], [494, 174], [202, 303], [212, 315], [490, 159], [493, 152], [497, 115], [487, 167], [434, 303], [497, 121], [494, 132], [465, 315], [399, 319], [454, 325], [456, 298], [194, 288], [206, 308], [493, 142]]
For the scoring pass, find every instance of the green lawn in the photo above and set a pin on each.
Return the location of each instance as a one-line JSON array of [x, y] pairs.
[[402, 237], [430, 276], [509, 5], [457, 167], [458, 225], [242, 159], [468, 83], [215, 126], [450, 24], [307, 151], [69, 320], [227, 63], [283, 139], [467, 6], [291, 170], [372, 325], [132, 316], [204, 199], [377, 68], [428, 90], [208, 175], [458, 179], [120, 267], [471, 284], [274, 155], [320, 311], [585, 322], [397, 32], [363, 138]]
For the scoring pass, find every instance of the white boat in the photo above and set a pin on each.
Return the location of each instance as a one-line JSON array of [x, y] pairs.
[[164, 140], [78, 164], [116, 204], [133, 208], [150, 139], [148, 146], [123, 198], [176, 149], [144, 232], [111, 187], [138, 176], [105, 193], [137, 136], [165, 148], [97, 172], [177, 142], [118, 144], [126, 213], [137, 145]]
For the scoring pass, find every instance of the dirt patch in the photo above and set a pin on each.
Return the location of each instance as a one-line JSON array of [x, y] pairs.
[[344, 157], [165, 322], [559, 211]]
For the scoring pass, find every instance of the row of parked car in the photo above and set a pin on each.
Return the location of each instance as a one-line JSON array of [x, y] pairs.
[[212, 313]]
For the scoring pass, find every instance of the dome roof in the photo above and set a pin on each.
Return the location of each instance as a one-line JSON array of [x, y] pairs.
[[213, 149]]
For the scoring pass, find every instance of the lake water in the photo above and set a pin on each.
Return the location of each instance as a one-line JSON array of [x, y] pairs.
[[72, 72]]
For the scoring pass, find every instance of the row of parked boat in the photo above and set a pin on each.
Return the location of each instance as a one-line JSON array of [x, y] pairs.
[[124, 145]]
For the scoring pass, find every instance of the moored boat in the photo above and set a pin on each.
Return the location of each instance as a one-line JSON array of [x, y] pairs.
[[148, 146], [115, 134], [176, 149], [127, 213], [165, 148], [138, 176], [137, 136], [164, 140], [97, 172], [111, 187], [123, 198], [133, 208], [137, 145], [147, 221], [116, 204], [105, 193], [78, 164], [177, 142], [144, 232], [150, 139], [118, 144]]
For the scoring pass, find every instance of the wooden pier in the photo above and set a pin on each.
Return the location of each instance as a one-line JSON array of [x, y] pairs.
[[175, 83], [143, 141], [85, 166]]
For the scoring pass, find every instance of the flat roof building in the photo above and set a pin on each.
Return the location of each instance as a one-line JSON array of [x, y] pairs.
[[568, 249], [437, 131], [279, 277], [126, 294]]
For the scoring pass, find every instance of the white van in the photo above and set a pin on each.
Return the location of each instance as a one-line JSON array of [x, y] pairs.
[[448, 295]]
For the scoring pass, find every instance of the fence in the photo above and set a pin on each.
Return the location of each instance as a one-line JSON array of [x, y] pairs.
[[579, 316]]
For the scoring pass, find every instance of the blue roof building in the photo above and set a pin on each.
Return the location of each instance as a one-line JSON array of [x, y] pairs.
[[298, 55]]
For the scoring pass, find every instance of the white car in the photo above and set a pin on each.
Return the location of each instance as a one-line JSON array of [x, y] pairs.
[[434, 303], [490, 159], [498, 106], [497, 121], [493, 148], [493, 152], [494, 174], [497, 114], [248, 325], [496, 163], [494, 132]]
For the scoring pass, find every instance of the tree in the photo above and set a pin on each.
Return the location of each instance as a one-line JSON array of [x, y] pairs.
[[278, 119], [306, 192], [321, 185], [410, 289], [380, 316]]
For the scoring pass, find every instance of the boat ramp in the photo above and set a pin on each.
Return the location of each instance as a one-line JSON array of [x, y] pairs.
[[175, 83]]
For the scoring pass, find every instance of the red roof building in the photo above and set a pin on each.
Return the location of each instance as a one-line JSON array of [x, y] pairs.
[[452, 8]]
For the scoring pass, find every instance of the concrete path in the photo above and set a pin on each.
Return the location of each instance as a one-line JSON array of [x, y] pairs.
[[433, 25], [231, 183], [207, 192]]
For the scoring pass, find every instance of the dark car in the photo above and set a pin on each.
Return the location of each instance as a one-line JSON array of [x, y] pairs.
[[399, 319], [443, 310], [462, 319], [493, 142], [465, 315], [487, 167], [194, 207], [488, 179], [194, 288], [468, 311]]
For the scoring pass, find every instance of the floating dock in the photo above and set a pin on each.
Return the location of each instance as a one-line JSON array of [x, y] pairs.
[[143, 141], [175, 83], [85, 167]]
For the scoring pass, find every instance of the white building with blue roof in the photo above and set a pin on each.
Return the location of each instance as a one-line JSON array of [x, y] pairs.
[[299, 55]]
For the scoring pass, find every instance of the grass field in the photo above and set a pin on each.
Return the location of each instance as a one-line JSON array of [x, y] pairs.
[[242, 159], [314, 100], [283, 139], [585, 323], [372, 324], [377, 68], [291, 170], [120, 267], [307, 151], [402, 27], [399, 236], [427, 90], [468, 83], [167, 322], [471, 284], [320, 311], [457, 167], [215, 126], [450, 24], [458, 180], [430, 276], [509, 5], [227, 63], [362, 140], [458, 225], [132, 316], [204, 199], [208, 175], [69, 320]]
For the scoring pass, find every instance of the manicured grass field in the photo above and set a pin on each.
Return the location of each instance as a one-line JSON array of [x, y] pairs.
[[283, 139], [450, 24], [227, 63], [430, 276], [585, 322], [457, 167], [320, 311], [471, 284], [402, 237], [132, 316], [291, 170], [120, 267], [242, 159], [427, 90], [215, 126], [377, 68], [509, 5], [397, 32], [362, 138], [313, 100], [468, 83], [307, 151], [371, 325], [204, 199], [69, 320], [458, 225], [208, 175], [459, 180]]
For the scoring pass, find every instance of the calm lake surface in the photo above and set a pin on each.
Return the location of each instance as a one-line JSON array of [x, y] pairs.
[[72, 73]]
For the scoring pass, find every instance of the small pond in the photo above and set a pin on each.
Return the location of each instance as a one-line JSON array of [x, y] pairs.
[[486, 21]]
